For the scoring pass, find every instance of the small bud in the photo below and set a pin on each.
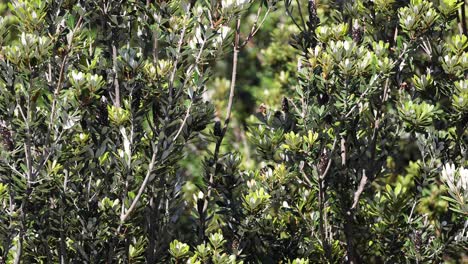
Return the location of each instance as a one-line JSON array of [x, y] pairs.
[[285, 105], [278, 115], [322, 98], [6, 136], [217, 129], [404, 86], [210, 162], [102, 114], [262, 109], [323, 163], [357, 32], [313, 18]]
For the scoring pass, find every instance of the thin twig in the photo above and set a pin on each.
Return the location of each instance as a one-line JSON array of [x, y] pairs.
[[292, 17], [256, 26], [19, 249], [62, 72], [233, 76], [57, 91], [463, 18], [155, 46], [324, 174], [410, 218], [360, 189], [321, 201], [301, 169], [27, 143], [124, 215], [359, 101], [187, 114], [174, 70], [14, 170], [300, 13], [48, 154], [116, 77], [343, 151]]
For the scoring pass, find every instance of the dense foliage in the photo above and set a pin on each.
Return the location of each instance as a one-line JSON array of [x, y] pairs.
[[147, 131]]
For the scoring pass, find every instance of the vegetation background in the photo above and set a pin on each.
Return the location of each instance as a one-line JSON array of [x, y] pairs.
[[233, 131]]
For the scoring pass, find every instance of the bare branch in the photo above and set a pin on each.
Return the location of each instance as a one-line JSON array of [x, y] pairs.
[[324, 174], [343, 151], [360, 189], [256, 26], [306, 178], [187, 114], [124, 215], [116, 77], [62, 73], [228, 115]]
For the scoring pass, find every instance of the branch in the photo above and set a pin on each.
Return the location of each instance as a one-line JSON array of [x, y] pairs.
[[287, 6], [307, 180], [228, 115], [155, 47], [343, 151], [360, 189], [187, 114], [329, 161], [116, 79], [462, 20], [14, 170], [255, 26], [19, 249], [321, 202], [233, 76], [124, 215], [299, 9], [61, 73], [179, 47]]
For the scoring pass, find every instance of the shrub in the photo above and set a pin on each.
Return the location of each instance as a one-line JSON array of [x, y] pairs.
[[99, 99], [364, 160]]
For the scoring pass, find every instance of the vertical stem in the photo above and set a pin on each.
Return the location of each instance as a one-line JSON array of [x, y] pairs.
[[176, 62], [233, 76], [27, 145], [116, 77], [348, 229], [28, 157], [226, 124], [150, 219], [27, 150], [125, 214], [19, 246], [323, 168], [57, 91], [19, 249], [348, 215], [463, 18], [343, 151], [322, 216], [63, 250], [62, 73], [155, 46]]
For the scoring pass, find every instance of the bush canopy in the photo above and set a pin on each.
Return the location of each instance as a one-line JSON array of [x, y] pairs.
[[233, 131]]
